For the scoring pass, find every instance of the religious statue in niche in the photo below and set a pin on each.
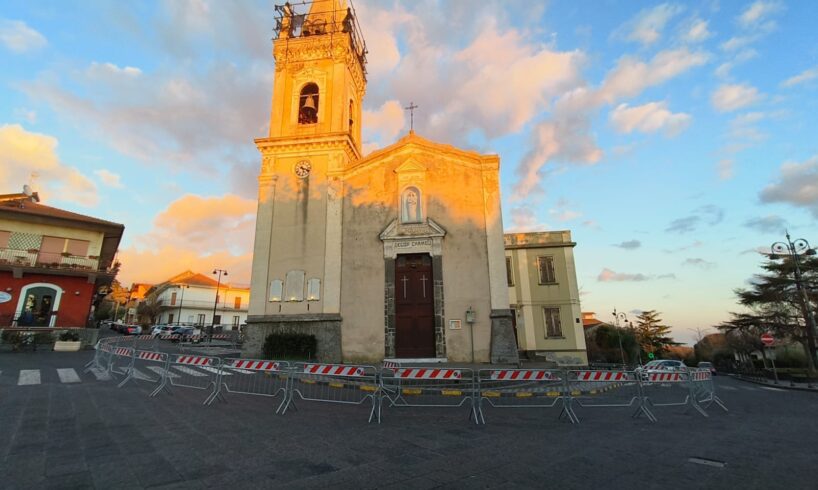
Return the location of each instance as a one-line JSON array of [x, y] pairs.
[[410, 206]]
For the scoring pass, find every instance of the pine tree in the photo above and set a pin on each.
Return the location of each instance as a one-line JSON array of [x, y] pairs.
[[653, 336]]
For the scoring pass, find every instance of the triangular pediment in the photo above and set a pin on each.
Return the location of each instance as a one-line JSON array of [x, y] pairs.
[[410, 166], [399, 231]]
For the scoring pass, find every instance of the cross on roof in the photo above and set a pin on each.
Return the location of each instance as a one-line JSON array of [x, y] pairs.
[[411, 108]]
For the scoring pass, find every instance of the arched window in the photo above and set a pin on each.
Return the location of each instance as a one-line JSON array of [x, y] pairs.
[[411, 208], [308, 104], [37, 304]]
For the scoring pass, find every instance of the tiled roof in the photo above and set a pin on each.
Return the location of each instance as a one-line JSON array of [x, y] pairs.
[[30, 208]]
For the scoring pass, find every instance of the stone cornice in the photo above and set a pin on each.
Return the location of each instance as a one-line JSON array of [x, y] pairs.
[[290, 144]]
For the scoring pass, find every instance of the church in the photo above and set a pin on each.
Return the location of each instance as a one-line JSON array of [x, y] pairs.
[[398, 254]]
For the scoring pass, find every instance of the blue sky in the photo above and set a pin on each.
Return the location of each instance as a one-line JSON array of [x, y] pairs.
[[674, 140]]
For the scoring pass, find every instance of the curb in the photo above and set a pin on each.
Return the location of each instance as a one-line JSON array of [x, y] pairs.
[[781, 386]]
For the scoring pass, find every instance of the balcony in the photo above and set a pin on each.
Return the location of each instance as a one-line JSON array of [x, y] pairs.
[[36, 259], [204, 304]]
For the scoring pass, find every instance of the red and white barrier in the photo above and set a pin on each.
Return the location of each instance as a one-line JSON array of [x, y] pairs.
[[602, 376], [700, 375], [123, 351], [169, 337], [333, 370], [666, 377], [150, 356], [254, 365], [391, 364], [194, 360], [517, 375], [426, 373]]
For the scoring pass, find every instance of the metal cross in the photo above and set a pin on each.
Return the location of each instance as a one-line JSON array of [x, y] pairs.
[[404, 280], [411, 110], [423, 279]]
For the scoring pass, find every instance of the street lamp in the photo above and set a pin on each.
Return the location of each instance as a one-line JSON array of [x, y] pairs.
[[617, 317], [795, 249], [216, 301], [181, 300]]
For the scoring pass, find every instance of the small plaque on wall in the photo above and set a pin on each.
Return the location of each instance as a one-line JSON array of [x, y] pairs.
[[455, 325]]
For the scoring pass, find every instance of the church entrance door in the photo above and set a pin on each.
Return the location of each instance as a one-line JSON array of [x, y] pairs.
[[414, 307]]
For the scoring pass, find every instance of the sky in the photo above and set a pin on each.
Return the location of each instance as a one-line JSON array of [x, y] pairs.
[[675, 140]]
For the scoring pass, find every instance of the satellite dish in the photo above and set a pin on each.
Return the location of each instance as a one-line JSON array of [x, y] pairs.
[[27, 190]]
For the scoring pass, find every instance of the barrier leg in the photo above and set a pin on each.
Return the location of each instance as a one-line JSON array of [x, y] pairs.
[[129, 370], [164, 382]]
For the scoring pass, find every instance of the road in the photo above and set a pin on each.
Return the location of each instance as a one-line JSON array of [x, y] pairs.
[[62, 428]]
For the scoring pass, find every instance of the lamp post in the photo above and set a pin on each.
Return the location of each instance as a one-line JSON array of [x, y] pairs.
[[181, 300], [216, 301], [795, 249], [617, 317]]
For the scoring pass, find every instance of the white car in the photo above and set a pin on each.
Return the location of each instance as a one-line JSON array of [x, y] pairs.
[[663, 365], [161, 330]]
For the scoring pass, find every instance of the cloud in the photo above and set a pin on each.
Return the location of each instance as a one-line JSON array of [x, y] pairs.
[[756, 13], [561, 212], [607, 275], [700, 263], [566, 136], [804, 76], [695, 244], [767, 224], [28, 115], [524, 220], [102, 70], [726, 168], [709, 214], [646, 28], [197, 233], [630, 245], [696, 31], [743, 56], [385, 123], [683, 225], [648, 118], [797, 185], [18, 37], [731, 97], [23, 153], [108, 178]]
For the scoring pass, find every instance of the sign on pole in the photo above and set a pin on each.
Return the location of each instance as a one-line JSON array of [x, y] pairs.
[[767, 339]]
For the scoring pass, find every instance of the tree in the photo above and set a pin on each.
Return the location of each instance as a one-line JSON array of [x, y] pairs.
[[775, 304], [149, 309], [652, 335], [603, 345]]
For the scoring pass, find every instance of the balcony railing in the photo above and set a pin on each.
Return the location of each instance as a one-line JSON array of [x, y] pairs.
[[194, 303], [35, 258]]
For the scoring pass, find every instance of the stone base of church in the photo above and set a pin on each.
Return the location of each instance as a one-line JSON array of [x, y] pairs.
[[503, 342], [325, 327]]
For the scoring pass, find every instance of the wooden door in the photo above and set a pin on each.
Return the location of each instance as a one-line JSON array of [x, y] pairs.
[[414, 307]]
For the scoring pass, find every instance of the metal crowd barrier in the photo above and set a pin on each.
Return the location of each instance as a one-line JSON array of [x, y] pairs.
[[606, 389], [524, 388], [257, 377], [196, 372], [667, 389], [431, 387], [335, 383], [146, 360], [704, 389]]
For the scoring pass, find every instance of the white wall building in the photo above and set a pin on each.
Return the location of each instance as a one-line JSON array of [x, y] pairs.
[[189, 298]]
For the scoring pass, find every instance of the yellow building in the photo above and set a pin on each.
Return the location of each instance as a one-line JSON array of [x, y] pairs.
[[398, 254], [543, 292]]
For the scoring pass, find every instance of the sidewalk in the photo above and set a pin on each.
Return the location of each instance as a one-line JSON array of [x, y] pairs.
[[789, 385]]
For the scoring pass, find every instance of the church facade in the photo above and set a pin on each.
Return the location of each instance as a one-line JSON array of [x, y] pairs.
[[398, 254]]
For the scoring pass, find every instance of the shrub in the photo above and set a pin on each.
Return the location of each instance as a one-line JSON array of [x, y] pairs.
[[289, 346], [69, 337], [43, 338]]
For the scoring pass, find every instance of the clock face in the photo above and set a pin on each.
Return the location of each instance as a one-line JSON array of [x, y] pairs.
[[302, 168]]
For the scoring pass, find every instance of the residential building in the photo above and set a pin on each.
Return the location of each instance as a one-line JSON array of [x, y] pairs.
[[55, 265], [189, 298], [543, 293]]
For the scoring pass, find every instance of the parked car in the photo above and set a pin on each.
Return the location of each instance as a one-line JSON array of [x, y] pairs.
[[132, 330], [708, 365], [186, 331], [162, 330], [663, 365]]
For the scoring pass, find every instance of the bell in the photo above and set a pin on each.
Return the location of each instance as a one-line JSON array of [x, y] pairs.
[[310, 103]]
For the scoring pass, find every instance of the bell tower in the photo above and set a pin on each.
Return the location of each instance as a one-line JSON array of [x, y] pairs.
[[315, 133]]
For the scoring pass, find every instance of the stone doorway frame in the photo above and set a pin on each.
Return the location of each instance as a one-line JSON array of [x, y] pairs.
[[414, 238]]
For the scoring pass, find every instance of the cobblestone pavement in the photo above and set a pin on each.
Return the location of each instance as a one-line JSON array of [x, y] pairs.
[[86, 433]]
